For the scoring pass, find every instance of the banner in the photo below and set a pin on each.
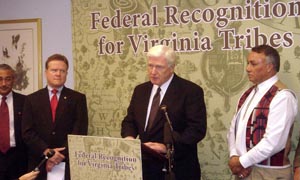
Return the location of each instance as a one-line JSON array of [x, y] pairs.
[[211, 39]]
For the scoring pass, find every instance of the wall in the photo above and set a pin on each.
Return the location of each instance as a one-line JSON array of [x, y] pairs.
[[56, 25]]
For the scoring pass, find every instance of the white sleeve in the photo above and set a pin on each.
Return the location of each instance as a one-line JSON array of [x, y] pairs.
[[231, 137]]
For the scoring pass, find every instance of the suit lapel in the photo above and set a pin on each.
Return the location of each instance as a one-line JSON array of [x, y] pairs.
[[171, 93], [62, 103], [45, 106], [18, 108], [145, 101]]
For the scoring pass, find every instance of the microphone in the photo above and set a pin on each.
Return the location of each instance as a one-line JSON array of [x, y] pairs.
[[168, 139], [49, 154], [164, 108]]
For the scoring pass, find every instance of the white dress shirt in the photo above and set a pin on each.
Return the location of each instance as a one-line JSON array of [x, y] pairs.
[[282, 113], [10, 105]]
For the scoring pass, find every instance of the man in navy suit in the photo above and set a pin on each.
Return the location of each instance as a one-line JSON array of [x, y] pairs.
[[184, 102], [44, 129], [13, 162]]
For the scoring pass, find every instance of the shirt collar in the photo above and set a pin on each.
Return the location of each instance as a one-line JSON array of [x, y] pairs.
[[9, 95], [58, 89], [267, 83], [165, 85]]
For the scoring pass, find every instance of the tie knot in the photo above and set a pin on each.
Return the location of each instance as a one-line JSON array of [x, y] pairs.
[[4, 98], [54, 91], [158, 90]]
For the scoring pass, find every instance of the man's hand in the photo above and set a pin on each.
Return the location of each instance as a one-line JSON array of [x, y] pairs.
[[235, 165], [55, 159], [297, 173], [29, 176], [129, 137], [237, 168], [158, 147]]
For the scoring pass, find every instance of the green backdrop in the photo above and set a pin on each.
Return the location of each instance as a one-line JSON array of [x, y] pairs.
[[211, 38]]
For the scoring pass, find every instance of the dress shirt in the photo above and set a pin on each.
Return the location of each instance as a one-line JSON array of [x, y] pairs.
[[163, 90], [283, 110], [10, 104], [57, 94]]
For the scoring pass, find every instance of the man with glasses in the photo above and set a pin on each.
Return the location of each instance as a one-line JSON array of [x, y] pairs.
[[184, 103], [50, 114]]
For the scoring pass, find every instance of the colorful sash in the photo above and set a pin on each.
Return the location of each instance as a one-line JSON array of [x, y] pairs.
[[257, 124]]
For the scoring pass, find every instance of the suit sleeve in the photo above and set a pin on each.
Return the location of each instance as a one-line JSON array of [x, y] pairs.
[[81, 118], [30, 136], [194, 118], [128, 126]]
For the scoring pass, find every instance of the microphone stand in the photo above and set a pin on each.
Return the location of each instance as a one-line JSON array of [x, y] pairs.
[[169, 140]]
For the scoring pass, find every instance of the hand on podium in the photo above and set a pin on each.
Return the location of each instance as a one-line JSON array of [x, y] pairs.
[[155, 150], [158, 147]]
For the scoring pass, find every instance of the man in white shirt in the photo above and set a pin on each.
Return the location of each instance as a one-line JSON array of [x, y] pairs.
[[260, 132]]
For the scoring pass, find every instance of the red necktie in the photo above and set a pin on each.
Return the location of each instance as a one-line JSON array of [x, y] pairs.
[[54, 103], [4, 126], [154, 108]]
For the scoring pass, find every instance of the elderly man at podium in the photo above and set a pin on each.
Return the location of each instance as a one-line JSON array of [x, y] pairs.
[[168, 113]]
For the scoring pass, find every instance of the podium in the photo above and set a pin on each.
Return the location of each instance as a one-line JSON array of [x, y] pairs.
[[94, 158]]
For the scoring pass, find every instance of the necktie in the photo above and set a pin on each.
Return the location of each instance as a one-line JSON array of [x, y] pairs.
[[54, 103], [154, 108], [4, 126]]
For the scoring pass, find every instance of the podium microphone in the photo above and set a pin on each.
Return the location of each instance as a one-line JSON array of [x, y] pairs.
[[164, 108], [168, 139], [49, 154]]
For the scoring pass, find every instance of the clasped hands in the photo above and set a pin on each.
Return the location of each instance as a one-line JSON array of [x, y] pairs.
[[237, 168], [57, 158]]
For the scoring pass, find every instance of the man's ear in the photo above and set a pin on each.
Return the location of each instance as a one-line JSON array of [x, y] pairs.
[[270, 67]]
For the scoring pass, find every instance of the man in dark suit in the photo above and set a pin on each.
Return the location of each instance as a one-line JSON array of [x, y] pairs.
[[187, 112], [13, 161], [46, 127]]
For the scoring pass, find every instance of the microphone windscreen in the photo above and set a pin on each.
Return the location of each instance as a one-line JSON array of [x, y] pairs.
[[50, 153], [163, 108]]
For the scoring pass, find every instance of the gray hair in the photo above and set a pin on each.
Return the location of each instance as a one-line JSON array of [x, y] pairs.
[[165, 51]]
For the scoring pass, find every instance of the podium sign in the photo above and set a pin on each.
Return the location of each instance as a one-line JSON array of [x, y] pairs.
[[94, 158]]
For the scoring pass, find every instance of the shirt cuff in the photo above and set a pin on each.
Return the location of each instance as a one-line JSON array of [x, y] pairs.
[[245, 162]]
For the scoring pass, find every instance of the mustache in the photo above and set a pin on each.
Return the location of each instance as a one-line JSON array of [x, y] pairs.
[[4, 87]]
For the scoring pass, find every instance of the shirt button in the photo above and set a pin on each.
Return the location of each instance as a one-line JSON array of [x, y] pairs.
[[53, 133]]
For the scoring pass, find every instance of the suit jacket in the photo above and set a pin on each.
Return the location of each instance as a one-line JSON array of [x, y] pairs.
[[14, 162], [187, 112], [18, 103], [40, 133]]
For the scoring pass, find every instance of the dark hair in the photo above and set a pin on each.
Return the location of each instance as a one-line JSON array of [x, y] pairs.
[[57, 57], [7, 67], [272, 55]]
